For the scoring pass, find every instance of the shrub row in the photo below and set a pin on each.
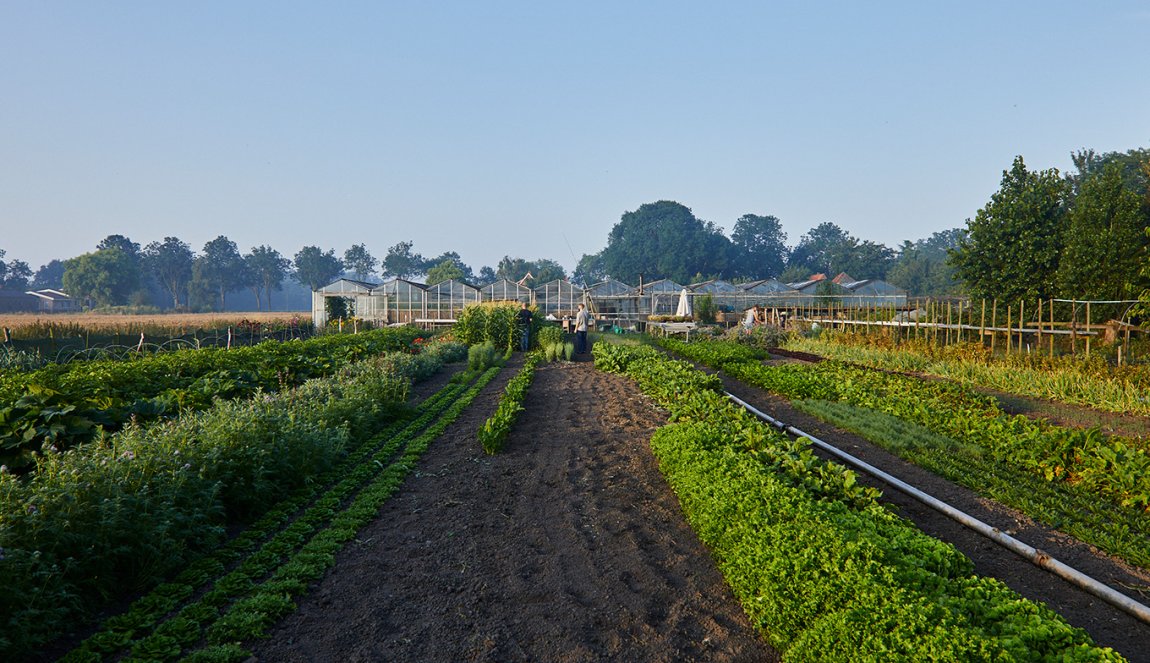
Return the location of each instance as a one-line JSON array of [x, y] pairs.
[[67, 404], [828, 578], [272, 563], [117, 515], [497, 322], [493, 433]]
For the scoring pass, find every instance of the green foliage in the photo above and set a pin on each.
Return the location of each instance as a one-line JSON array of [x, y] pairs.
[[495, 322], [1013, 244], [549, 334], [1078, 460], [705, 309], [817, 563], [105, 277], [493, 433], [483, 356], [759, 245], [922, 267], [69, 404], [664, 239], [444, 271], [316, 268]]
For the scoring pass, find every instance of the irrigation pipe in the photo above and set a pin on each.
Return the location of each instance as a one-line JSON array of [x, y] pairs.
[[1038, 557]]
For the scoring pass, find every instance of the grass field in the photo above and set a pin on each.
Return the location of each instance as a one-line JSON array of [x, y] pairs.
[[27, 326]]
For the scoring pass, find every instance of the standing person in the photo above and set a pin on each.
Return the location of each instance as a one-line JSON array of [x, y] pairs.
[[524, 318], [582, 319]]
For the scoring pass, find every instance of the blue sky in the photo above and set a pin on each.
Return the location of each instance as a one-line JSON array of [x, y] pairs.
[[527, 128]]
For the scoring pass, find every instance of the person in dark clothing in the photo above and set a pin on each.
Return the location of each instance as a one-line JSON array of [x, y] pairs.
[[525, 327]]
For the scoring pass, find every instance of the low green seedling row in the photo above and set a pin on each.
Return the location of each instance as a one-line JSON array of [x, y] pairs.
[[493, 433], [826, 572]]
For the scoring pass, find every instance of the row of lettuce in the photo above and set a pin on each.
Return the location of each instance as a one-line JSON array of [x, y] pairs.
[[63, 405], [819, 565], [1091, 485], [115, 516]]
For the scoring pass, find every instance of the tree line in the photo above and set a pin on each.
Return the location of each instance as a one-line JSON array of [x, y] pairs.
[[1041, 235]]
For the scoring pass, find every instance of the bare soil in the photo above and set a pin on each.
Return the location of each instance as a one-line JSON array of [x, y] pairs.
[[569, 546]]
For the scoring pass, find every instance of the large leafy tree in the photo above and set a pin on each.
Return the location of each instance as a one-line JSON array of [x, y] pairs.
[[360, 262], [316, 268], [401, 262], [486, 276], [543, 270], [268, 270], [590, 270], [825, 248], [759, 244], [444, 271], [221, 269], [466, 273], [14, 274], [1106, 241], [664, 239], [106, 277], [170, 263], [922, 268], [50, 275], [1012, 247]]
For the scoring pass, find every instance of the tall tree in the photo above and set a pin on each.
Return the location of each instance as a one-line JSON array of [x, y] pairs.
[[360, 262], [14, 274], [1013, 244], [664, 239], [468, 275], [221, 268], [543, 270], [315, 268], [1106, 241], [50, 275], [106, 277], [444, 271], [269, 269], [401, 262], [826, 248], [130, 248], [921, 267], [170, 263], [590, 270], [486, 276], [759, 244]]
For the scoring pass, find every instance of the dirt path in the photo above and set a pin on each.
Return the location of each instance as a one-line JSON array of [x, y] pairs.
[[568, 546]]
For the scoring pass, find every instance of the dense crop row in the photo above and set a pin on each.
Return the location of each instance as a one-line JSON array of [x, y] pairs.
[[493, 432], [1077, 380], [119, 514], [973, 437], [208, 611], [826, 577], [63, 405]]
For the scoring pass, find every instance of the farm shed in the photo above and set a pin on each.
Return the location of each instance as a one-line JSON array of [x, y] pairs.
[[447, 298], [15, 301], [54, 301], [504, 290], [558, 298]]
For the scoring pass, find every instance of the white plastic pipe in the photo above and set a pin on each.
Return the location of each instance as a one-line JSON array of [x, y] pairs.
[[1099, 589]]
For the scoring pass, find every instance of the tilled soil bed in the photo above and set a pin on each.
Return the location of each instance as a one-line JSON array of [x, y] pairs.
[[568, 546]]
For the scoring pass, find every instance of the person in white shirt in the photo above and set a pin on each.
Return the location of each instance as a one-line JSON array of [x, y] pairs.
[[582, 319]]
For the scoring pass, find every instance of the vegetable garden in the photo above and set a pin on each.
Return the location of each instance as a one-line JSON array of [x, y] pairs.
[[217, 488]]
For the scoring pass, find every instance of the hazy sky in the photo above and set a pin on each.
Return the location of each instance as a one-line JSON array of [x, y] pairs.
[[527, 128]]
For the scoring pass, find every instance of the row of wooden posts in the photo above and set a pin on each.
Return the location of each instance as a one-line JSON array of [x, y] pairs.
[[954, 320]]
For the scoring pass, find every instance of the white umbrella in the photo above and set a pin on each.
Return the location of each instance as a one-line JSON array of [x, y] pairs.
[[684, 308]]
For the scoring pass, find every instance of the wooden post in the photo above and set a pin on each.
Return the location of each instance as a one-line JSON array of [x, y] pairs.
[[993, 325], [982, 326], [949, 308], [1073, 327], [1039, 343], [1052, 328], [1088, 329], [1021, 317], [1009, 329]]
